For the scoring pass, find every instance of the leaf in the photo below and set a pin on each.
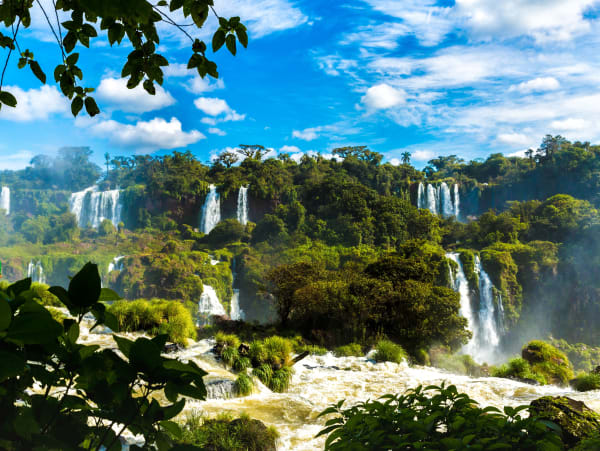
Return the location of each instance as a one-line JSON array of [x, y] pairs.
[[242, 36], [91, 107], [72, 59], [149, 87], [8, 99], [144, 355], [218, 40], [5, 315], [108, 295], [173, 410], [85, 286], [124, 345], [37, 71], [69, 41], [76, 105], [230, 42], [172, 428], [62, 296], [18, 287], [13, 364], [33, 325]]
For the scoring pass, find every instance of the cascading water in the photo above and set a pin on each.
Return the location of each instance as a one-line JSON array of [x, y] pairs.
[[5, 199], [242, 205], [440, 200], [209, 305], [93, 206], [236, 312], [36, 272], [485, 324], [211, 211], [116, 264]]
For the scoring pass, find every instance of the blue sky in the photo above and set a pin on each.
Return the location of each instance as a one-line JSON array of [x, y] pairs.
[[464, 77]]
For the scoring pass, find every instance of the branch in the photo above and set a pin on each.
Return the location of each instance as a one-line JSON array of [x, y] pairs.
[[9, 53], [62, 48], [172, 22]]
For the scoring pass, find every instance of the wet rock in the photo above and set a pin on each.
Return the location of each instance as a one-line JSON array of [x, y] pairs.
[[576, 420], [300, 357], [524, 380], [171, 347]]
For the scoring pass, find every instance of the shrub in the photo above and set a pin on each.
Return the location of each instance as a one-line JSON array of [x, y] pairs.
[[229, 355], [280, 381], [437, 418], [156, 316], [264, 373], [456, 363], [241, 363], [44, 296], [518, 368], [349, 350], [278, 350], [227, 340], [388, 351], [225, 433], [243, 385], [258, 354], [548, 362], [586, 382]]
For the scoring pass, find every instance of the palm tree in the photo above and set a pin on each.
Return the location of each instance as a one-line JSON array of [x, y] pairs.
[[107, 159], [405, 157]]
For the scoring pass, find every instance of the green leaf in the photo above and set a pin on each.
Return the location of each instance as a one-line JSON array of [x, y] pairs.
[[149, 87], [85, 286], [5, 315], [13, 364], [76, 105], [69, 41], [108, 295], [72, 59], [145, 355], [218, 40], [73, 333], [91, 107], [124, 345], [242, 36], [8, 99], [230, 42], [33, 325], [172, 428], [19, 287], [37, 71], [173, 410]]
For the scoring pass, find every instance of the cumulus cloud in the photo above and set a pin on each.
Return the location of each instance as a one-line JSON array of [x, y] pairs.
[[143, 135], [570, 124], [383, 96], [539, 84], [515, 139], [308, 134], [35, 104], [213, 106], [114, 91], [16, 161], [194, 84], [290, 149], [422, 155]]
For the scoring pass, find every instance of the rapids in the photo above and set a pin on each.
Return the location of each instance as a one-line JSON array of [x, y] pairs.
[[319, 382]]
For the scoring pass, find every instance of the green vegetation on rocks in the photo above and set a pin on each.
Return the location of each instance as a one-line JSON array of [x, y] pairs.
[[388, 351], [548, 362]]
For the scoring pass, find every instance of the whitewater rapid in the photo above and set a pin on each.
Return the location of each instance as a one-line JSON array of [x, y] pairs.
[[320, 381]]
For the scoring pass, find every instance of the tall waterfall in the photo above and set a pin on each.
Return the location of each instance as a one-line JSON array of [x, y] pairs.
[[440, 200], [211, 210], [209, 305], [93, 206], [36, 272], [236, 313], [116, 264], [5, 199], [242, 205], [484, 323]]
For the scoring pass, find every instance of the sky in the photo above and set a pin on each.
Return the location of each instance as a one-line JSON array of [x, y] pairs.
[[463, 77]]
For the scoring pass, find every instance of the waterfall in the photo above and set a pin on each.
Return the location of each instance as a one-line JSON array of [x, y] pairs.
[[236, 312], [446, 205], [484, 325], [440, 200], [5, 199], [242, 205], [36, 272], [456, 201], [209, 305], [93, 206], [116, 264], [211, 211], [421, 202]]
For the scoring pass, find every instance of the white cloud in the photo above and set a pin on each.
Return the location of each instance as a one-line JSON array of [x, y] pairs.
[[144, 135], [216, 131], [308, 134], [213, 106], [35, 104], [395, 162], [539, 84], [515, 139], [290, 149], [422, 155], [115, 92], [383, 96], [16, 161], [518, 153], [570, 124]]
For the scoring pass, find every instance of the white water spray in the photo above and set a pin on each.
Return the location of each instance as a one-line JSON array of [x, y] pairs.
[[209, 305], [36, 272], [211, 211]]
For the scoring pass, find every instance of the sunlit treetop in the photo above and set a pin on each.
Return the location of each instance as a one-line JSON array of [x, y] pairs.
[[134, 20]]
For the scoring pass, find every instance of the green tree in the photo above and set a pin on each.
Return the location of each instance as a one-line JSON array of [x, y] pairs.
[[405, 157], [227, 159]]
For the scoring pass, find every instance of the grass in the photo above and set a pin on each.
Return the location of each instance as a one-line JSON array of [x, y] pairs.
[[388, 351], [518, 368], [155, 316], [548, 361], [349, 350], [243, 385], [312, 349]]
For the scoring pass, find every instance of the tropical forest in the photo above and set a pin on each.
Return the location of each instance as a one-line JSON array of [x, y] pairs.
[[157, 293]]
